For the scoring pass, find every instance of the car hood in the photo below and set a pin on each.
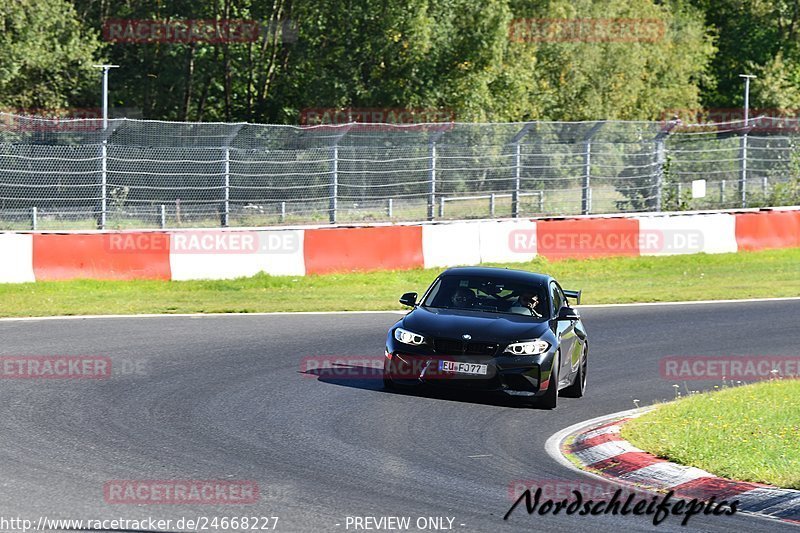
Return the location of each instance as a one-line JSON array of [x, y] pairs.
[[453, 323]]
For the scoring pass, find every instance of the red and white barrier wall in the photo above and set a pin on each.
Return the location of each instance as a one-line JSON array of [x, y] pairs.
[[16, 258], [226, 254]]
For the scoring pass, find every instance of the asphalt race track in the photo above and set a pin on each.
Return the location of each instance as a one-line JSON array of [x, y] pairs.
[[223, 397]]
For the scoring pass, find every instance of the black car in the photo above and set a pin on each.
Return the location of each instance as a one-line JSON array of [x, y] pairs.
[[494, 330]]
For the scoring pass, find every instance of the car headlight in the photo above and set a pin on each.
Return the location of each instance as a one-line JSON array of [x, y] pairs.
[[535, 347], [408, 337]]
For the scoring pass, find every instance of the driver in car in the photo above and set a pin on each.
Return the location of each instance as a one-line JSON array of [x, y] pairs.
[[527, 301], [463, 298]]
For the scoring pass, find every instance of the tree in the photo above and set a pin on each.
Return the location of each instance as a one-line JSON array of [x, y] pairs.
[[450, 54], [753, 37], [652, 64], [47, 56], [461, 56], [777, 87], [201, 80]]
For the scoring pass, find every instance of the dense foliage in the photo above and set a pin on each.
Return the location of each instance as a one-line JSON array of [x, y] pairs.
[[481, 60]]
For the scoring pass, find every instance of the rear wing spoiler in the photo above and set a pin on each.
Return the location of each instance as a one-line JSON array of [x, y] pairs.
[[576, 295]]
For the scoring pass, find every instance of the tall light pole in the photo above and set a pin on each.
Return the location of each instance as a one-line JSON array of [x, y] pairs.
[[101, 222], [747, 78], [105, 68], [743, 180]]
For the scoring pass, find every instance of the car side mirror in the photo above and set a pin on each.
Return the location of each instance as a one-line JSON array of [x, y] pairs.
[[568, 313], [409, 299]]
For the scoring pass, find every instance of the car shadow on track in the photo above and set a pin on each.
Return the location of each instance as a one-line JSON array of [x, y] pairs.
[[371, 378]]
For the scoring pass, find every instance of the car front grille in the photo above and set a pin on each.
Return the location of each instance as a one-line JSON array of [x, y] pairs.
[[458, 347]]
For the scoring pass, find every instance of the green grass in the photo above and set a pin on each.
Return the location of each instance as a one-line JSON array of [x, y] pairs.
[[748, 433], [610, 280]]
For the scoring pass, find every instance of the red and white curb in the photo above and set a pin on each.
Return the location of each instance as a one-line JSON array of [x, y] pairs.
[[598, 449]]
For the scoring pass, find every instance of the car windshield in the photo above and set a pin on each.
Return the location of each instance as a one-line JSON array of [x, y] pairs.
[[488, 295]]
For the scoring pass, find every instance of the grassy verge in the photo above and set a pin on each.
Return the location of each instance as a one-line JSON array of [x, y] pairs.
[[610, 280], [748, 433]]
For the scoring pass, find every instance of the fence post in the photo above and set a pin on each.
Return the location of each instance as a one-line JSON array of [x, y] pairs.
[[441, 206], [103, 184], [722, 193], [333, 189], [34, 218], [743, 179], [517, 181], [764, 185], [660, 161], [517, 191], [226, 170], [491, 205], [226, 208], [283, 211], [389, 208], [334, 186], [586, 189], [432, 184], [541, 202], [163, 216], [586, 203], [108, 129]]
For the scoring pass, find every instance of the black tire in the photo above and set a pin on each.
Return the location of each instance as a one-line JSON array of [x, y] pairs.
[[388, 384], [550, 398], [578, 386]]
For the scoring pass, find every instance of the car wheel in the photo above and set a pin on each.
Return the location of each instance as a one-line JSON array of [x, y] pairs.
[[388, 384], [550, 398], [578, 387]]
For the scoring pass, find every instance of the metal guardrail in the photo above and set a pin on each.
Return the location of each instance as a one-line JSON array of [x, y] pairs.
[[493, 197]]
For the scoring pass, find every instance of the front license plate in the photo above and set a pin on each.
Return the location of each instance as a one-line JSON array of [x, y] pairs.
[[463, 368]]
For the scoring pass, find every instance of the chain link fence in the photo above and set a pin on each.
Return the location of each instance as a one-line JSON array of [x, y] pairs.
[[76, 174]]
